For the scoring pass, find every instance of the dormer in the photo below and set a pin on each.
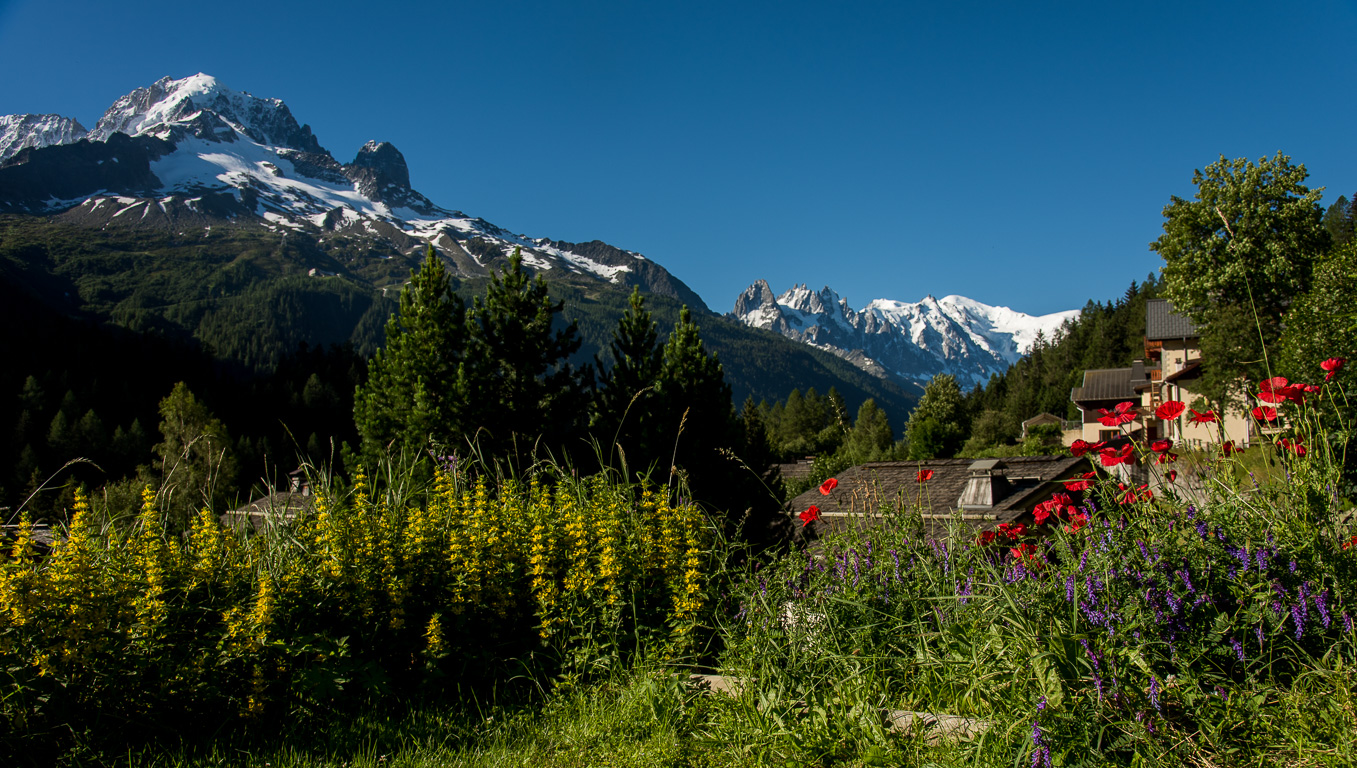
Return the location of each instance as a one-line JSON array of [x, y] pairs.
[[986, 486]]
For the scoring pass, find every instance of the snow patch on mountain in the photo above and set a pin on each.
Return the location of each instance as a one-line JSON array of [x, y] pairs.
[[911, 342]]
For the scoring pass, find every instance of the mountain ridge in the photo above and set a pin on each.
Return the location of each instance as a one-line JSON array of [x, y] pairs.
[[901, 341], [194, 152]]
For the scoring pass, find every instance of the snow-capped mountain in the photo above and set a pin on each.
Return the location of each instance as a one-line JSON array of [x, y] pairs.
[[193, 152], [19, 132], [907, 342]]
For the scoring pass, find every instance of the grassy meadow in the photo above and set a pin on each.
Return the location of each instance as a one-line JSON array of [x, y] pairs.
[[552, 620]]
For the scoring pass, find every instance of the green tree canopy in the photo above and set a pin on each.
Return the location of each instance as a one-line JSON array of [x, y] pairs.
[[622, 418], [871, 437], [197, 457], [1236, 256], [939, 423]]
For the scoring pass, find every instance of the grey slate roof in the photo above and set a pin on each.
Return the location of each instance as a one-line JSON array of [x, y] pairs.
[[1106, 384], [1162, 322], [865, 490]]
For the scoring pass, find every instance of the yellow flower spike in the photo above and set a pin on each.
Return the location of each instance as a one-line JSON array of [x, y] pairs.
[[434, 644]]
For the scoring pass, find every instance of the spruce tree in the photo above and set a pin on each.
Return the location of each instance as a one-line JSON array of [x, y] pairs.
[[623, 405], [937, 425], [708, 444], [197, 458], [413, 395], [522, 390]]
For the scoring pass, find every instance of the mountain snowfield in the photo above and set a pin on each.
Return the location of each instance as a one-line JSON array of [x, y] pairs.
[[249, 158], [908, 342]]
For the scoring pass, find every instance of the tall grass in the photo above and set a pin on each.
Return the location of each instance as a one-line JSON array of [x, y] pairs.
[[1211, 630]]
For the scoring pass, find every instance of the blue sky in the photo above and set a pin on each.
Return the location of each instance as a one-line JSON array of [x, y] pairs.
[[1018, 154]]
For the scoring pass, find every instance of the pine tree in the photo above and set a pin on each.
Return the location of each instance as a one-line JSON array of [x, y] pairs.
[[522, 389], [871, 437], [197, 458], [414, 395], [626, 393], [706, 441]]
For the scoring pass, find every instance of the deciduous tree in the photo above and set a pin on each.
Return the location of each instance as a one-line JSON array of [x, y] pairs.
[[1236, 256]]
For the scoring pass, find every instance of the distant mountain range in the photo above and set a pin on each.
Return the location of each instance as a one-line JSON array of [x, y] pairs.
[[899, 341], [198, 211]]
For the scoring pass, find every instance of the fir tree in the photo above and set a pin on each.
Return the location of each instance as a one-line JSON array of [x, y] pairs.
[[522, 389], [414, 395], [626, 393], [197, 459]]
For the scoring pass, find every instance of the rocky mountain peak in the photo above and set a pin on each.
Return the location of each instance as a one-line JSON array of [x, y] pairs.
[[18, 132], [379, 172], [169, 109], [758, 296]]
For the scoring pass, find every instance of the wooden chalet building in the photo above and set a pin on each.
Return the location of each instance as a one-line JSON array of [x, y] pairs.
[[1170, 370]]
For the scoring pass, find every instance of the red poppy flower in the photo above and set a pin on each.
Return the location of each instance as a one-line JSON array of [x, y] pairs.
[[1124, 413], [828, 486], [1013, 531], [1041, 512], [1159, 446], [1332, 366], [1276, 389], [924, 476], [1229, 448], [1111, 457], [1166, 458], [1295, 447], [1079, 448], [809, 516], [1350, 543], [1171, 409], [986, 538], [1172, 475], [1078, 485], [1265, 413], [1026, 550], [1077, 520], [1202, 418], [1089, 475], [1132, 495]]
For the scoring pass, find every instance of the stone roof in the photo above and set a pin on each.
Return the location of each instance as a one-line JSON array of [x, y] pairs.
[[1162, 322], [1106, 384], [869, 494], [44, 537]]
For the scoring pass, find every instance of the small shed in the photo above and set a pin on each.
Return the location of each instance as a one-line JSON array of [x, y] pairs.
[[1040, 419], [273, 508]]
